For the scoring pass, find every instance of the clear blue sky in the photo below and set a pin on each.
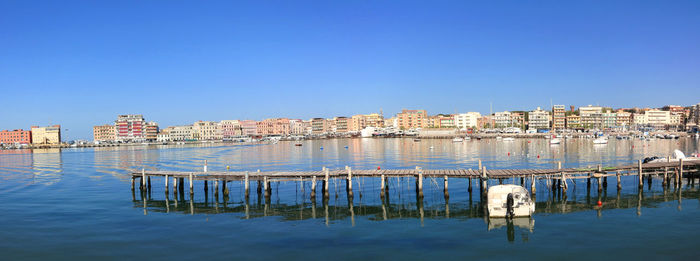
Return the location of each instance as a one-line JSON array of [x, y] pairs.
[[82, 63]]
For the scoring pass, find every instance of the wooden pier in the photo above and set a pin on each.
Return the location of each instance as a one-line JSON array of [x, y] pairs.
[[559, 178]]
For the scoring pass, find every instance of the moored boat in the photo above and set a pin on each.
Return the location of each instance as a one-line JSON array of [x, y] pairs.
[[458, 139], [509, 201], [554, 141]]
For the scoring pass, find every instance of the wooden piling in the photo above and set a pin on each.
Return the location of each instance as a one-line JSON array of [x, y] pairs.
[[533, 188], [680, 173], [174, 184], [326, 178], [133, 181], [349, 180], [479, 164], [419, 182], [149, 182], [619, 184], [313, 186], [447, 195], [469, 189], [639, 170], [382, 186], [143, 179], [166, 183], [205, 166], [191, 185], [247, 184], [566, 186], [216, 186], [665, 180]]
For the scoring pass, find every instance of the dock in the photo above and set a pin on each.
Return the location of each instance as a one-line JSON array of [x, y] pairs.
[[670, 173]]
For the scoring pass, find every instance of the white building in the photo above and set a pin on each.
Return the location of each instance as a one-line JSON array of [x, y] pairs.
[[657, 118], [502, 119], [591, 117], [538, 119], [464, 121], [207, 130], [181, 133]]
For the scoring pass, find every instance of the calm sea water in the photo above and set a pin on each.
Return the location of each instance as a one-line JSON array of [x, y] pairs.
[[76, 204]]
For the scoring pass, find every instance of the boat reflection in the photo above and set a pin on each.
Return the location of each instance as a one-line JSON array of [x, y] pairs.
[[524, 223]]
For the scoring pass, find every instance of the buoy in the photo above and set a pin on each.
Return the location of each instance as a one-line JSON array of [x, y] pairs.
[[508, 153], [378, 167], [600, 203], [346, 147], [538, 156], [321, 148], [227, 167]]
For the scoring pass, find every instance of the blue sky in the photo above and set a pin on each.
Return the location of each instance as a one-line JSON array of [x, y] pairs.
[[80, 64]]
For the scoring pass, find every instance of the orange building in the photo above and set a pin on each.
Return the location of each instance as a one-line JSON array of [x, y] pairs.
[[411, 119], [16, 136]]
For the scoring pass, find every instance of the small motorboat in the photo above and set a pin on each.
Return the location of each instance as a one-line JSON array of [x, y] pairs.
[[601, 140], [458, 139], [467, 138], [297, 144], [509, 201], [554, 141], [509, 139], [416, 140], [677, 156]]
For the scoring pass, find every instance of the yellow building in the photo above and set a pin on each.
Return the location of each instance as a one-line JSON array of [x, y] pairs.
[[46, 135], [104, 132]]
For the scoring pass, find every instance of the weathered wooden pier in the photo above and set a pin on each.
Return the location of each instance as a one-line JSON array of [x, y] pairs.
[[671, 172]]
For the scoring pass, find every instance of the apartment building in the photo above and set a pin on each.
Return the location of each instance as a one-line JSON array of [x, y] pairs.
[[412, 119], [340, 124], [46, 135], [249, 127], [538, 119], [230, 128], [558, 117], [206, 130], [464, 121], [657, 119], [573, 122], [130, 127], [15, 137], [591, 117], [104, 133]]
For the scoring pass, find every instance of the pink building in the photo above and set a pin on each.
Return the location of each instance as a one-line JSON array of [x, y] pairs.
[[249, 127], [16, 136]]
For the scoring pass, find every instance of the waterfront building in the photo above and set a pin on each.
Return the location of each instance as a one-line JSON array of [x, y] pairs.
[[180, 133], [164, 136], [624, 119], [502, 119], [676, 119], [485, 122], [374, 120], [249, 127], [657, 119], [130, 127], [538, 119], [104, 133], [152, 131], [16, 137], [230, 128], [639, 119], [591, 117], [558, 117], [339, 124], [206, 130], [275, 126], [357, 123], [609, 119], [296, 127], [517, 119], [319, 126], [46, 135], [412, 119], [573, 122], [464, 121]]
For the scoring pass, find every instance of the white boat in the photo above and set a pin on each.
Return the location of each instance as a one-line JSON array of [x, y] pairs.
[[508, 139], [554, 141], [458, 139], [677, 156], [601, 140], [509, 201], [467, 138], [367, 132], [499, 138]]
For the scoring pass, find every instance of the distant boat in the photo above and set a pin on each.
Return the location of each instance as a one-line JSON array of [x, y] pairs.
[[458, 139], [416, 140], [601, 140], [297, 144], [554, 141], [509, 201], [499, 138], [467, 138], [509, 139]]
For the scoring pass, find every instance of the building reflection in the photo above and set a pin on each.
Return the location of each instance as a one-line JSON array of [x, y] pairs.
[[47, 166]]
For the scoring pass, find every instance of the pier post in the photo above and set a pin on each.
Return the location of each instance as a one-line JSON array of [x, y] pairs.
[[268, 188], [216, 187], [205, 166], [419, 182], [191, 185], [639, 170], [259, 185], [469, 189], [143, 179], [665, 180], [133, 181], [149, 182], [680, 173], [447, 194], [484, 181], [566, 186], [533, 188], [479, 164], [326, 178], [349, 179], [313, 187], [167, 186], [382, 186], [619, 185], [175, 185], [224, 188], [247, 184]]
